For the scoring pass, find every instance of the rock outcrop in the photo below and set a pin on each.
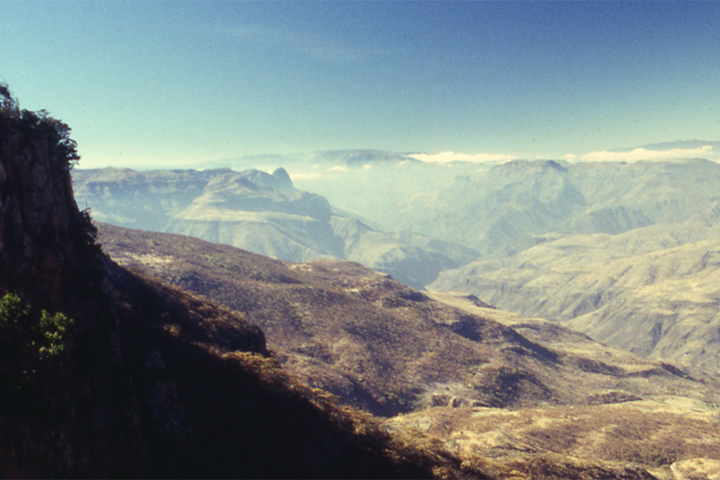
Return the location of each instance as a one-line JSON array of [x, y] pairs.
[[46, 249]]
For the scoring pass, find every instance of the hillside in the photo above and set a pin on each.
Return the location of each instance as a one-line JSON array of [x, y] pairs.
[[535, 225], [440, 363], [672, 436]]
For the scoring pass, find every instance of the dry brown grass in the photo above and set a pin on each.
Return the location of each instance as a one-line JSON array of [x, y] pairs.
[[652, 435]]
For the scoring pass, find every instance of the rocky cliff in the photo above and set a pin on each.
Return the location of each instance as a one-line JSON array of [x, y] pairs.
[[47, 249]]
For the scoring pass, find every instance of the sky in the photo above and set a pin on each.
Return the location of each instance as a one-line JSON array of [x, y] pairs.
[[180, 83]]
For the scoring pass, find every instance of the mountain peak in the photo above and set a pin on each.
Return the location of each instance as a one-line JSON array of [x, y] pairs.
[[281, 174]]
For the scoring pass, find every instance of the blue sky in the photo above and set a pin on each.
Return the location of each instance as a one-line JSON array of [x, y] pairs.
[[186, 82]]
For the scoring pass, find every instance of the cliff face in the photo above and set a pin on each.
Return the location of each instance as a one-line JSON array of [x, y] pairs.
[[46, 249]]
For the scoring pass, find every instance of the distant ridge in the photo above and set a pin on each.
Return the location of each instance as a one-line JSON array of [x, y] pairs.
[[260, 212]]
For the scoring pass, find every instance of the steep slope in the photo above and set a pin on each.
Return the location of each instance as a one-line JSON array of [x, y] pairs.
[[150, 381]]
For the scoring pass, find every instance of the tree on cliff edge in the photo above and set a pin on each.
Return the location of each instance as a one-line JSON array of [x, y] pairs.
[[58, 132]]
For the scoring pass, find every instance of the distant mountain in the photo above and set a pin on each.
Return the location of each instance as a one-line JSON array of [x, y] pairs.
[[652, 291], [492, 217], [516, 205], [260, 212]]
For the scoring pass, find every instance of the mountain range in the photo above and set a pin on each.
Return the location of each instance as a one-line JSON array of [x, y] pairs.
[[107, 373], [260, 212], [576, 243], [136, 353]]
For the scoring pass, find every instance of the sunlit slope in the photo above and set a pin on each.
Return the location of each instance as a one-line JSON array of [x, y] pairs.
[[672, 433], [651, 291], [672, 439]]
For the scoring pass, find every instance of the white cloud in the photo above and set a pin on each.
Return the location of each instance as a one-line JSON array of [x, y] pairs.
[[642, 154], [338, 168], [304, 176], [446, 157]]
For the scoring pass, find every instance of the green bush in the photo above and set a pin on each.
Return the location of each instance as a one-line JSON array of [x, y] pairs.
[[29, 342]]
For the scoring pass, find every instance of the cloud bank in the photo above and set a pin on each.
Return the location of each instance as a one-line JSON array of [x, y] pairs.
[[447, 157], [638, 154]]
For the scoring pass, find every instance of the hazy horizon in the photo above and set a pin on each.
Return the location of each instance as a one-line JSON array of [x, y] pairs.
[[171, 84]]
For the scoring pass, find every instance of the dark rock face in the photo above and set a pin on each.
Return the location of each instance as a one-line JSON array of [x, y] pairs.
[[46, 242]]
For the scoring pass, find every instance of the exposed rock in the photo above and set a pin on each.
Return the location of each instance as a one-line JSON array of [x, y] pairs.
[[46, 248]]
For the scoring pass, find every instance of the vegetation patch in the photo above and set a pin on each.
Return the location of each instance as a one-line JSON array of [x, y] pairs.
[[32, 351]]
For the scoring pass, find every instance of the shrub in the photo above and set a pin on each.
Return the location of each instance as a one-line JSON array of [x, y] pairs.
[[29, 342]]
